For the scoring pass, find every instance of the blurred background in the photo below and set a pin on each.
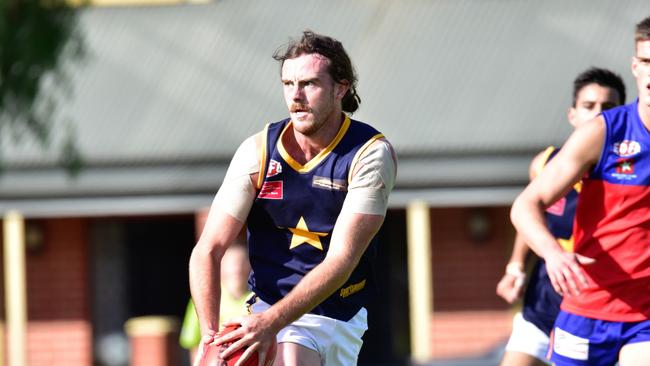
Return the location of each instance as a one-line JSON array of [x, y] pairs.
[[118, 119]]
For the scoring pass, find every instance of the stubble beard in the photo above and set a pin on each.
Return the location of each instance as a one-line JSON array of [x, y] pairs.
[[313, 122], [308, 128], [316, 119]]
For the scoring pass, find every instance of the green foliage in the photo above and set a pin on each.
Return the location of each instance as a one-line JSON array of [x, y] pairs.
[[38, 40]]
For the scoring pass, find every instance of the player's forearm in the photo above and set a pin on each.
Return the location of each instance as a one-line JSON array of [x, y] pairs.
[[205, 277], [527, 216], [351, 236], [314, 288], [520, 250]]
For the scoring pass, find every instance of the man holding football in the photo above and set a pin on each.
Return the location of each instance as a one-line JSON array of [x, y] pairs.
[[312, 191]]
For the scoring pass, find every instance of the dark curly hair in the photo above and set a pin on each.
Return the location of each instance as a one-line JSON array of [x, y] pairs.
[[340, 67]]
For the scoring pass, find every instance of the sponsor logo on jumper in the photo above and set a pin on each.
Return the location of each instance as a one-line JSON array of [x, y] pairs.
[[557, 208], [271, 190], [275, 168], [627, 148], [354, 288], [329, 184], [624, 169]]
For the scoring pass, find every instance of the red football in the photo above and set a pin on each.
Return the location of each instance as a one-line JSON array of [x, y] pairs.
[[211, 355]]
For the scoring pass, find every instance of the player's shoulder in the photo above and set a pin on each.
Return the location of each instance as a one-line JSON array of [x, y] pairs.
[[380, 146], [360, 128], [619, 112], [383, 145], [591, 131], [585, 144]]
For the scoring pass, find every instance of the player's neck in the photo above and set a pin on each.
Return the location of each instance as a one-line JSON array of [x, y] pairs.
[[644, 114], [303, 148]]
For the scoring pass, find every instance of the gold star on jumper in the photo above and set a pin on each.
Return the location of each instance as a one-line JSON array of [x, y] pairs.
[[301, 234]]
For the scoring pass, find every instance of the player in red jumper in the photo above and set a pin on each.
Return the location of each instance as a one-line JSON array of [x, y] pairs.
[[605, 314], [594, 90]]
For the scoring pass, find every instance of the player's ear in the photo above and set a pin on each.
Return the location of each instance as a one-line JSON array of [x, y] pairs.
[[571, 116], [342, 88]]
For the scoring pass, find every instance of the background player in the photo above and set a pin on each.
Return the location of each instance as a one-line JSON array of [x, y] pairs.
[[594, 90], [605, 312]]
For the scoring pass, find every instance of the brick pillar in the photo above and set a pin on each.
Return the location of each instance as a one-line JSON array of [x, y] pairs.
[[154, 341]]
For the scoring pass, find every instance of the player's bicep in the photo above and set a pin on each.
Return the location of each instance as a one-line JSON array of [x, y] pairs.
[[553, 183], [372, 180], [580, 152], [237, 192]]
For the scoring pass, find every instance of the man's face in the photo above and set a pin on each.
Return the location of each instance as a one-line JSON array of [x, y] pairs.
[[641, 71], [591, 100], [311, 94]]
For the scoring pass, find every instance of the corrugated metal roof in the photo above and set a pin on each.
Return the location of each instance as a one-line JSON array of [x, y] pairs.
[[457, 86]]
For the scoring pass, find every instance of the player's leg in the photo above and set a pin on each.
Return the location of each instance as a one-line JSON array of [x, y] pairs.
[[512, 358], [635, 354], [636, 351], [328, 341], [292, 354], [297, 344], [527, 346], [313, 337]]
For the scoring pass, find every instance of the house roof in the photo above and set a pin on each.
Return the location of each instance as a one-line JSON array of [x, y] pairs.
[[467, 91]]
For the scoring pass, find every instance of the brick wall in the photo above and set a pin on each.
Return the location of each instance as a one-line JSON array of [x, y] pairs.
[[460, 334], [59, 329], [469, 318], [154, 340], [60, 343]]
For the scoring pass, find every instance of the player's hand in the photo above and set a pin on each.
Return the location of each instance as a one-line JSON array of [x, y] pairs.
[[511, 286], [566, 273], [256, 332]]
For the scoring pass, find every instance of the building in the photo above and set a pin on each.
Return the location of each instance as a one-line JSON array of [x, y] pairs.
[[467, 92]]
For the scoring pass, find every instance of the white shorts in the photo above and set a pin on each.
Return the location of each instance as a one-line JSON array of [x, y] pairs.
[[527, 338], [337, 342]]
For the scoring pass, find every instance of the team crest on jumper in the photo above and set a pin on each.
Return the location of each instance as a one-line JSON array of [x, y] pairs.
[[626, 148], [275, 168], [624, 169], [625, 166]]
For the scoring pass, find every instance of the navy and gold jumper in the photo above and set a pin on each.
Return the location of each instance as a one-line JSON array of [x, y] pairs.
[[292, 218]]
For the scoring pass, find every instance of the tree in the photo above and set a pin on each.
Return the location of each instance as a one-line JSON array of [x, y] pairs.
[[39, 40]]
